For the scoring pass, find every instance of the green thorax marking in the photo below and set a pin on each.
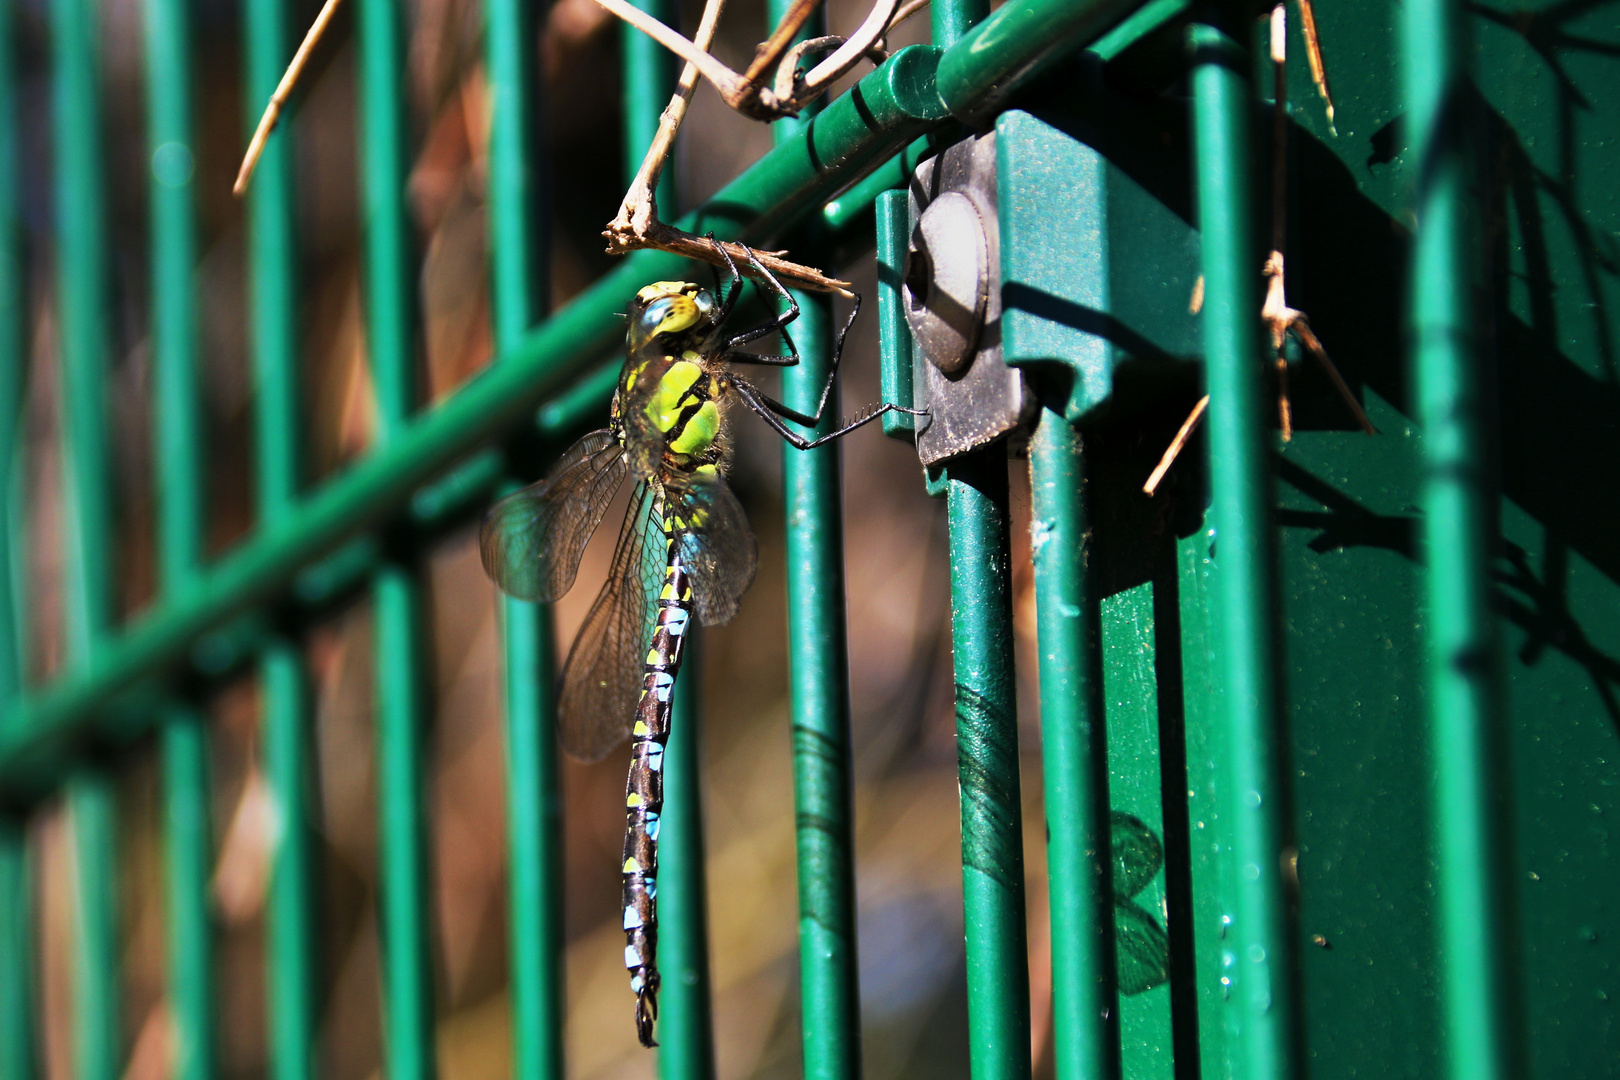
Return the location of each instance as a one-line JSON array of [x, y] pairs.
[[670, 321]]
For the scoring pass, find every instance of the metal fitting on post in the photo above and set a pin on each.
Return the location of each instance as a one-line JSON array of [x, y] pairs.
[[951, 294]]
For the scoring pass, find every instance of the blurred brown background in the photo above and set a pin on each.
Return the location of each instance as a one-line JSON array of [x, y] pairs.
[[912, 987]]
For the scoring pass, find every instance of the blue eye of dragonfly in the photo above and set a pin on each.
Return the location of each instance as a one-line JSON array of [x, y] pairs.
[[655, 314]]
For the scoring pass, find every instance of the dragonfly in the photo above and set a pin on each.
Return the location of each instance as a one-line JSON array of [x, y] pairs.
[[684, 550]]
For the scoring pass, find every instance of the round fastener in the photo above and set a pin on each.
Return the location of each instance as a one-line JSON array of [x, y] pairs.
[[947, 281]]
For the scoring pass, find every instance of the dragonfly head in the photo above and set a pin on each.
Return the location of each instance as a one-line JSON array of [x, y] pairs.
[[677, 308]]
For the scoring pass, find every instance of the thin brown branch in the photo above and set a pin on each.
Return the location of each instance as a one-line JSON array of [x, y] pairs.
[[1171, 452], [1285, 407], [770, 51], [728, 82], [907, 10], [284, 89], [668, 238], [1313, 54], [1300, 327], [748, 92], [870, 32], [1282, 321], [1276, 314], [639, 209]]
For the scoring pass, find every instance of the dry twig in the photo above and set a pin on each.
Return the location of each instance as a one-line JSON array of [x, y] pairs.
[[1313, 55], [1188, 426], [289, 79], [639, 210], [668, 238], [748, 92], [637, 225]]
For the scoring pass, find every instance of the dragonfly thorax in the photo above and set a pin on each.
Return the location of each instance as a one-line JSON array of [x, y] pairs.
[[666, 411]]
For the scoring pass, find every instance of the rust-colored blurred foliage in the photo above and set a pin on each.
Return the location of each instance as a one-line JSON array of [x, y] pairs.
[[900, 668]]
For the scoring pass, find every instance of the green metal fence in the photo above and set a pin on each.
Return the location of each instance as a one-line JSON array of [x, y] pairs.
[[1380, 833]]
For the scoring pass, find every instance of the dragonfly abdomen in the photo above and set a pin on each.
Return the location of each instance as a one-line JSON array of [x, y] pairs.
[[644, 789]]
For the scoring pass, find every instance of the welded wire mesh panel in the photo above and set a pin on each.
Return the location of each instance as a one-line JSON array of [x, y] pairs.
[[1169, 726]]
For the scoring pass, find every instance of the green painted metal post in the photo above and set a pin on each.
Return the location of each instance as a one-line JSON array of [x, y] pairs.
[[17, 1023], [987, 761], [82, 298], [290, 924], [818, 666], [649, 80], [891, 218], [408, 1020], [179, 466], [1464, 661], [1261, 1013], [952, 19], [284, 680], [97, 1048], [519, 237], [1073, 749], [686, 1026], [187, 841], [987, 732], [13, 363], [818, 674]]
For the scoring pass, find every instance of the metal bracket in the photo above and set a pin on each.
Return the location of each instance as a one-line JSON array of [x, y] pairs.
[[951, 296]]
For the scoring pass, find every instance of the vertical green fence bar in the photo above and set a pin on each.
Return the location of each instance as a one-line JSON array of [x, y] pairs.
[[1073, 756], [401, 706], [987, 731], [16, 907], [82, 296], [1261, 1012], [987, 762], [273, 314], [953, 18], [13, 362], [179, 466], [649, 80], [17, 1057], [818, 666], [98, 1050], [1464, 663], [16, 954], [685, 1029], [519, 238], [818, 673]]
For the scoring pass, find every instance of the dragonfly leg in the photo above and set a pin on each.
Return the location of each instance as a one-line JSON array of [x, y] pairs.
[[826, 390], [733, 285], [763, 359], [773, 412], [778, 323]]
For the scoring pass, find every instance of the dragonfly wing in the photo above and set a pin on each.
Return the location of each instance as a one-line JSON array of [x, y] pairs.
[[532, 540], [601, 679], [715, 542]]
